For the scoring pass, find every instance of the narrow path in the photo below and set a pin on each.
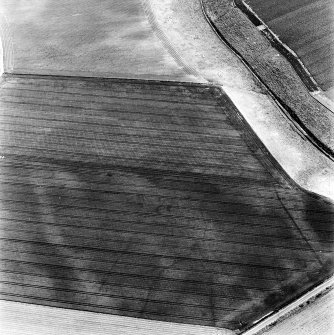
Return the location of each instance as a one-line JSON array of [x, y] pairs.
[[165, 41]]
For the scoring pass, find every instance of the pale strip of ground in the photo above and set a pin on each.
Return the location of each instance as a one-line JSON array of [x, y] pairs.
[[296, 315], [1, 57], [326, 98], [26, 319], [330, 93], [314, 319], [192, 37]]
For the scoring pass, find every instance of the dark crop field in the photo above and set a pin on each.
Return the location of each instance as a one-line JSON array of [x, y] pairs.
[[307, 27], [149, 200]]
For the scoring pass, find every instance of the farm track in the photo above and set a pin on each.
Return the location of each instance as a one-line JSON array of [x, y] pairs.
[[123, 216], [165, 41]]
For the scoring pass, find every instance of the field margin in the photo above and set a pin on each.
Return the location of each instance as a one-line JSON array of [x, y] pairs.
[[288, 53], [269, 321], [274, 71]]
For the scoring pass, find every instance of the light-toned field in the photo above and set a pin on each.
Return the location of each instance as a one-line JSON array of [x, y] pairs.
[[27, 319], [103, 37], [315, 319]]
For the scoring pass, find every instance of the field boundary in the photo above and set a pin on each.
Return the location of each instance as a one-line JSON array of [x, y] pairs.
[[64, 76], [301, 113], [275, 41], [271, 319], [259, 149]]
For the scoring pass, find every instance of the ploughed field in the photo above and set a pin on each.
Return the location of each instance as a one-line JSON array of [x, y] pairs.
[[151, 200], [93, 37], [307, 27]]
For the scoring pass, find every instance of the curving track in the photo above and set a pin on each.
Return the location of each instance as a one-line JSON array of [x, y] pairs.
[[165, 41]]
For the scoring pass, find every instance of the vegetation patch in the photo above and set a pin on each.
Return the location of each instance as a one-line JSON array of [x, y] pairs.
[[273, 69]]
